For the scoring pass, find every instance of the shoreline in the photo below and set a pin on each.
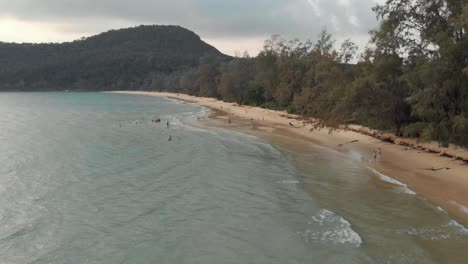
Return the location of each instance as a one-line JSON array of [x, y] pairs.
[[447, 188]]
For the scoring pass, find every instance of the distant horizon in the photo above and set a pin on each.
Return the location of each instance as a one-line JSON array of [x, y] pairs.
[[109, 30], [231, 27], [215, 43]]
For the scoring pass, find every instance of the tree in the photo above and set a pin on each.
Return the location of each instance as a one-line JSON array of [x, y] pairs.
[[235, 78], [208, 76], [434, 34], [348, 51]]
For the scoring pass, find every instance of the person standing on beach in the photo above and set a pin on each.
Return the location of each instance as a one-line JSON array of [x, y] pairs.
[[375, 155], [167, 123], [380, 153]]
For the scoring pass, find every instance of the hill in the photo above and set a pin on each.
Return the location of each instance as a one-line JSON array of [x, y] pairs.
[[142, 57]]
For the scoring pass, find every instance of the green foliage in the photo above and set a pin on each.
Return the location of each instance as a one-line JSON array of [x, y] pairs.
[[434, 34], [207, 77], [254, 95], [272, 106], [414, 130], [236, 76], [144, 57]]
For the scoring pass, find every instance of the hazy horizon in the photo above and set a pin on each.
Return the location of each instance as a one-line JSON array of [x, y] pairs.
[[230, 27]]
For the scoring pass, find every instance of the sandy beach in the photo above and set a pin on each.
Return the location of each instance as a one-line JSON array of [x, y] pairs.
[[438, 177]]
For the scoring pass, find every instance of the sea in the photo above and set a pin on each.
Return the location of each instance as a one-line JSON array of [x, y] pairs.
[[90, 178]]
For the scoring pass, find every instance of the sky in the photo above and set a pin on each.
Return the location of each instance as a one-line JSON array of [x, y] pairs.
[[231, 26]]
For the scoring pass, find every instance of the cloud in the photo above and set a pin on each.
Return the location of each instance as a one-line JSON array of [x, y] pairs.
[[215, 20]]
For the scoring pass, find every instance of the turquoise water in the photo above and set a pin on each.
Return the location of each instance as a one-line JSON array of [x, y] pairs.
[[88, 178]]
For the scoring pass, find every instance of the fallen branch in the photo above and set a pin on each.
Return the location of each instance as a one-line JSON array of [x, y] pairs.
[[351, 142], [437, 169]]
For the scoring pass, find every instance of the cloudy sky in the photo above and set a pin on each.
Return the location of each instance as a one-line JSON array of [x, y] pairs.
[[230, 25]]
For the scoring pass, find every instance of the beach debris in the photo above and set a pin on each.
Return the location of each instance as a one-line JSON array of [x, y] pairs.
[[437, 169], [291, 124], [351, 142]]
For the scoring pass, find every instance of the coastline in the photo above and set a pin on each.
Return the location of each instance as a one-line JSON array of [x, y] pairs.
[[447, 188]]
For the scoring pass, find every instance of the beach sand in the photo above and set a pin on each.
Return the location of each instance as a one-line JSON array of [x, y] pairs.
[[448, 188]]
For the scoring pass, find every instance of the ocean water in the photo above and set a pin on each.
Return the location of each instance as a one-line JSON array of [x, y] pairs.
[[88, 178]]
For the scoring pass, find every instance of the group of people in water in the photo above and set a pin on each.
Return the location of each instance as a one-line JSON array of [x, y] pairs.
[[158, 120]]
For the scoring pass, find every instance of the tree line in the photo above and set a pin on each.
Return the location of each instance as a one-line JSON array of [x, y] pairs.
[[412, 78], [132, 58]]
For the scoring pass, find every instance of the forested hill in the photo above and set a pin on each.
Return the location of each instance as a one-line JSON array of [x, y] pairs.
[[144, 57]]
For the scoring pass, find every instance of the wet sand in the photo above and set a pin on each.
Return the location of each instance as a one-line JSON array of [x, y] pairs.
[[447, 188]]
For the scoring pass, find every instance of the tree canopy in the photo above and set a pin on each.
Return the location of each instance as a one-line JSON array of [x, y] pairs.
[[133, 58]]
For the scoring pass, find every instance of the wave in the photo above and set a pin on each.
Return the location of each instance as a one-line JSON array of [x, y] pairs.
[[440, 209], [174, 100], [328, 227], [428, 233], [183, 120], [452, 229], [289, 182], [204, 112], [403, 187], [461, 228], [405, 190], [462, 208]]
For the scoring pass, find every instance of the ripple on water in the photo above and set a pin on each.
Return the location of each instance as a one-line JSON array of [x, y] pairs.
[[328, 227]]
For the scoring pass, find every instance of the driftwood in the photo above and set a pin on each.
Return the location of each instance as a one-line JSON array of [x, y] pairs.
[[437, 169], [351, 142], [291, 124]]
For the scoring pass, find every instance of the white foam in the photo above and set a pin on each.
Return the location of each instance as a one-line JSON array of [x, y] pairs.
[[405, 190], [462, 208], [440, 209], [175, 101], [357, 155], [429, 233], [450, 230], [175, 121], [385, 178], [403, 187], [461, 228], [289, 182], [328, 227], [204, 112]]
